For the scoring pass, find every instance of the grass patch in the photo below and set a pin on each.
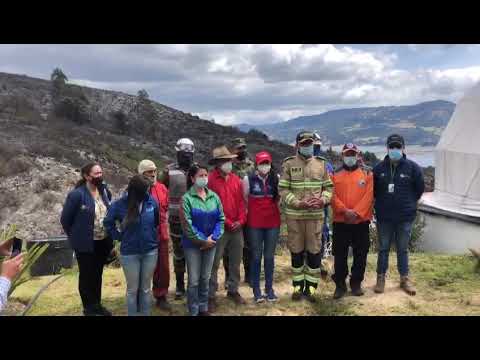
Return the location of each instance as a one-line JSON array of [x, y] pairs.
[[446, 285]]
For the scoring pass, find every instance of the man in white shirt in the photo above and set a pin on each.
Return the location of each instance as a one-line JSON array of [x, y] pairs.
[[8, 270]]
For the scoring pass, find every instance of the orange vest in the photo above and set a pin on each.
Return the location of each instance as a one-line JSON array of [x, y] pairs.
[[352, 190]]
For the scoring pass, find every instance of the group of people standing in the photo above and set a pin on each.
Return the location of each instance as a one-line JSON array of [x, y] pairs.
[[231, 213]]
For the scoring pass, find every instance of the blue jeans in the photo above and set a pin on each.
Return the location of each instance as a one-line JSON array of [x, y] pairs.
[[262, 241], [199, 267], [387, 233], [138, 270]]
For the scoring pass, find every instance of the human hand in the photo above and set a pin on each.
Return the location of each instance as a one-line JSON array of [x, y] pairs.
[[316, 203], [350, 216], [209, 243], [235, 226], [11, 267]]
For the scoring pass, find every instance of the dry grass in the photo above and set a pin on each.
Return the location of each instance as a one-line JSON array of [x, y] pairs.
[[446, 285]]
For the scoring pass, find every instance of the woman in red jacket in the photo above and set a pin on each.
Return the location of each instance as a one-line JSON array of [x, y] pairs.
[[263, 221], [161, 276]]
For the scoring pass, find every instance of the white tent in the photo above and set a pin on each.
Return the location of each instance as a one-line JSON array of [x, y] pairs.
[[457, 172]]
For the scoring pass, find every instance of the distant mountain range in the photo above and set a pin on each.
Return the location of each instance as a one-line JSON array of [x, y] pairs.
[[420, 124]]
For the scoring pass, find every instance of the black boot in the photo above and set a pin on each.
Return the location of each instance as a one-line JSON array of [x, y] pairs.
[[180, 288], [340, 291]]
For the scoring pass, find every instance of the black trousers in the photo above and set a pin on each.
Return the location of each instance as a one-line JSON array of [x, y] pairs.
[[358, 237], [245, 258], [90, 266]]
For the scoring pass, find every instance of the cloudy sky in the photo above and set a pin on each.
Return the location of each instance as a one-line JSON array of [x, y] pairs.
[[260, 83]]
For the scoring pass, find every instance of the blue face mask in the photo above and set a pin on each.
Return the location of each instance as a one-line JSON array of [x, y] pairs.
[[201, 182], [395, 154], [350, 161], [306, 151]]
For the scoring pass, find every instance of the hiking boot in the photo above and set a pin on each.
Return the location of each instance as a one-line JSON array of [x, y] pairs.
[[236, 298], [212, 305], [204, 313], [380, 285], [163, 304], [357, 289], [309, 293], [297, 293], [407, 286]]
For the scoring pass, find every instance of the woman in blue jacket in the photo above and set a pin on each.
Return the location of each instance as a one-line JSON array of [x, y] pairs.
[[137, 216], [82, 220]]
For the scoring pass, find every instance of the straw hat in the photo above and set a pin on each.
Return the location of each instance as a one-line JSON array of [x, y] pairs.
[[221, 153]]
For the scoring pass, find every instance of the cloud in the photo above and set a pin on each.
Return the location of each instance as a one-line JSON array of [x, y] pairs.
[[258, 83]]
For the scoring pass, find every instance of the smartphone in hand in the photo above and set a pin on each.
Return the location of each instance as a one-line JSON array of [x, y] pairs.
[[16, 247]]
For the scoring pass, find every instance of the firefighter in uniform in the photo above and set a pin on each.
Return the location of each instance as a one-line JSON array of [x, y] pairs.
[[174, 177], [242, 166], [306, 188]]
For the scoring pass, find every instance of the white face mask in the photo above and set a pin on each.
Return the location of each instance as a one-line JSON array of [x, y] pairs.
[[227, 167], [264, 169]]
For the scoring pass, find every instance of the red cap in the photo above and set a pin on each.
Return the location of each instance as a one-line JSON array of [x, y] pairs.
[[350, 147], [262, 156]]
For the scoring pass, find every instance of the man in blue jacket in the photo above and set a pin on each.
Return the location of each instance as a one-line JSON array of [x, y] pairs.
[[398, 185]]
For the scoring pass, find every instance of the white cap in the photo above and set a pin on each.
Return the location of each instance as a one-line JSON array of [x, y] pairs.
[[185, 144], [146, 165]]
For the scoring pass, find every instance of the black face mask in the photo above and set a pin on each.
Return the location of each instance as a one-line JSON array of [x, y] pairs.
[[185, 159], [242, 155], [97, 181]]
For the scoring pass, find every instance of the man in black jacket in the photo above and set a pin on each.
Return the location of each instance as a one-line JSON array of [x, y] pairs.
[[398, 185]]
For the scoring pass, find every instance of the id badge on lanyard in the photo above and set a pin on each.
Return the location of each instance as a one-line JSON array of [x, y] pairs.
[[391, 185], [391, 188]]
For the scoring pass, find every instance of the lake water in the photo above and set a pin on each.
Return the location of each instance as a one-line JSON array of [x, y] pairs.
[[422, 155]]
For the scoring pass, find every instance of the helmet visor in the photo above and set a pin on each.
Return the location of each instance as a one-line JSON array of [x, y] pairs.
[[185, 147]]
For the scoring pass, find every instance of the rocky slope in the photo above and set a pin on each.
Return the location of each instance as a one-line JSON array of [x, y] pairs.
[[48, 133]]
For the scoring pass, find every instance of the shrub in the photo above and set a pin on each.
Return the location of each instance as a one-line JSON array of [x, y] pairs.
[[46, 184], [415, 239], [48, 200], [72, 109]]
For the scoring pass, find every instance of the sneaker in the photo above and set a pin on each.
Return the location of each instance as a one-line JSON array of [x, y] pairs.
[[179, 295], [257, 296], [271, 297], [163, 304], [236, 298]]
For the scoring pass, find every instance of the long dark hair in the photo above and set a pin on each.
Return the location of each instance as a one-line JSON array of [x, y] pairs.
[[273, 180], [85, 171], [194, 169], [137, 189]]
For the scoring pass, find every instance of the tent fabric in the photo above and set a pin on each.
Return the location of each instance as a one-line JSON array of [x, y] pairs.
[[457, 159]]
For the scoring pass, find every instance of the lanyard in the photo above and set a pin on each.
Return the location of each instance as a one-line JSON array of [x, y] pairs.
[[392, 172]]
